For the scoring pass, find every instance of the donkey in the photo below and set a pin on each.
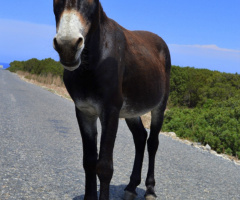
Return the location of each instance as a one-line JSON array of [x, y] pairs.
[[111, 73]]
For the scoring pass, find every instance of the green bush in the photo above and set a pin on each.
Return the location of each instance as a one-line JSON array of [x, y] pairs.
[[205, 107], [38, 67], [218, 125], [192, 87]]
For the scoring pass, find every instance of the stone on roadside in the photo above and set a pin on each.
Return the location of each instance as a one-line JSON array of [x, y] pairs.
[[208, 147], [172, 134]]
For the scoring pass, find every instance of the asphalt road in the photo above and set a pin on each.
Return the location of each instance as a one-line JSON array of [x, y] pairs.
[[41, 154]]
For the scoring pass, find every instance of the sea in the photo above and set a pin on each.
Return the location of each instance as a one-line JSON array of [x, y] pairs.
[[5, 65]]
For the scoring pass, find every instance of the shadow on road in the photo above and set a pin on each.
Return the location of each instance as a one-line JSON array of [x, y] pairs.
[[117, 193]]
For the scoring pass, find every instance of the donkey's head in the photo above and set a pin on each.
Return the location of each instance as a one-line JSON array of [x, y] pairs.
[[73, 21]]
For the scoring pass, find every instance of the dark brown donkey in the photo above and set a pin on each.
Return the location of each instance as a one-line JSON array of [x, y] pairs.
[[111, 72]]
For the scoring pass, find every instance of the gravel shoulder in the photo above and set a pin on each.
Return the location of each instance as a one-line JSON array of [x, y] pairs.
[[41, 154]]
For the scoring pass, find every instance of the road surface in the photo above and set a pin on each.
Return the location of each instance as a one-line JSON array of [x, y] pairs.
[[41, 154]]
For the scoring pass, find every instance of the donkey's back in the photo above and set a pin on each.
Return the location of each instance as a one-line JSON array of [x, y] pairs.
[[146, 72]]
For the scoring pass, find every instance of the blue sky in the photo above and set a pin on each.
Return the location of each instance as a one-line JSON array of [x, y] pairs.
[[201, 34]]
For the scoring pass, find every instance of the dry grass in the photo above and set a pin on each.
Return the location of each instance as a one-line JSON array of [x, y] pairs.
[[51, 83], [146, 119]]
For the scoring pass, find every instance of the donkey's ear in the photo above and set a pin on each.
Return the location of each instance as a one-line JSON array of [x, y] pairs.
[[57, 1], [91, 1]]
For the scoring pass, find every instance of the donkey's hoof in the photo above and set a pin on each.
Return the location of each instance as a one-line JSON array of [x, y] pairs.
[[150, 197], [129, 196]]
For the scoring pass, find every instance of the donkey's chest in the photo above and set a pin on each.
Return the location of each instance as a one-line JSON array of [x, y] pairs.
[[88, 106]]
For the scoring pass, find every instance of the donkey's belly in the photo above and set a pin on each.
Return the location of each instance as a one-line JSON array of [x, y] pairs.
[[131, 110]]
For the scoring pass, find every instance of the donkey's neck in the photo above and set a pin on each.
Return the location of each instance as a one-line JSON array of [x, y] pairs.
[[99, 18], [102, 15], [92, 44]]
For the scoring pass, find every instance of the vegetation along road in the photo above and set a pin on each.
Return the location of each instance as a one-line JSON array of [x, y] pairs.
[[41, 154]]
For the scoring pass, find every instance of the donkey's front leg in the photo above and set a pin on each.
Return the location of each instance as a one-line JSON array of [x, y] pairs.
[[88, 128], [109, 121]]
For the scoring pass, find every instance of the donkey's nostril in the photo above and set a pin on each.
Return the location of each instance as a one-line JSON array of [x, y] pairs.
[[55, 44], [79, 43], [65, 44]]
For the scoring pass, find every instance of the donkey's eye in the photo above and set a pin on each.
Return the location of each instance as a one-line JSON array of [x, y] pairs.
[[58, 6]]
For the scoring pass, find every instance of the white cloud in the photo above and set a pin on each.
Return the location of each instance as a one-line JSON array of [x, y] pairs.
[[23, 40], [206, 56], [209, 47]]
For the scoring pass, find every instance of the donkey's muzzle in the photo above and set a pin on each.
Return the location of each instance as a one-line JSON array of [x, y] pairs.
[[69, 50]]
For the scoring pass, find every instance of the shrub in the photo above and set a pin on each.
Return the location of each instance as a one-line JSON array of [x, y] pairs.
[[38, 67], [218, 126]]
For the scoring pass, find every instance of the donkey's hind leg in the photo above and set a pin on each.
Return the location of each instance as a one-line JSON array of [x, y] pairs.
[[139, 136], [152, 145]]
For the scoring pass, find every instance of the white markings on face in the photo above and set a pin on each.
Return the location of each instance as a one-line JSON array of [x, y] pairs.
[[70, 27], [69, 30]]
